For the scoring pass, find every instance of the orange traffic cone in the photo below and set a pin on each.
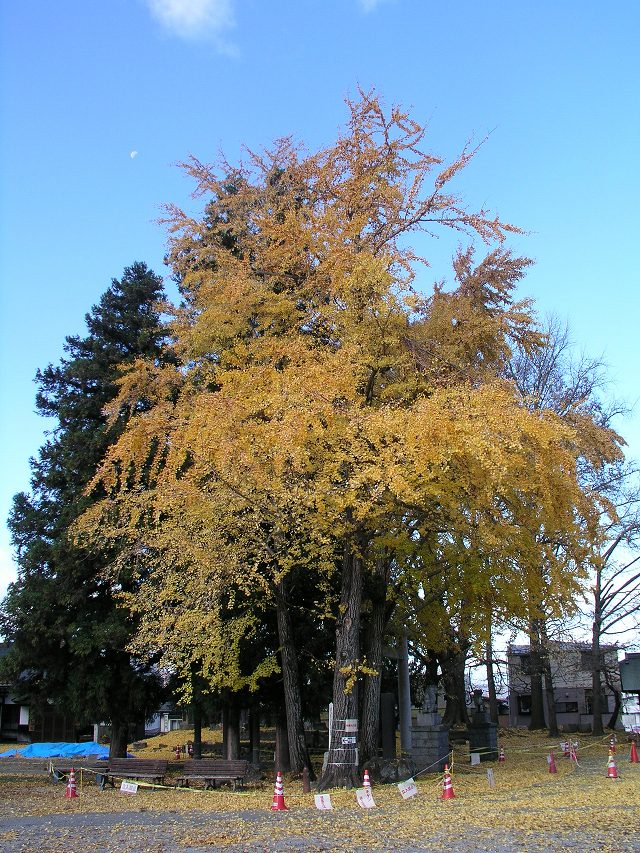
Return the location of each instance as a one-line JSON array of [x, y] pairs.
[[278, 796], [552, 762], [501, 757], [573, 752], [612, 770], [612, 743], [70, 790], [366, 782], [633, 758], [447, 787], [566, 751]]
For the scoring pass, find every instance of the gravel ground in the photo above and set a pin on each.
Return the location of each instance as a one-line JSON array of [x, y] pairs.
[[143, 832]]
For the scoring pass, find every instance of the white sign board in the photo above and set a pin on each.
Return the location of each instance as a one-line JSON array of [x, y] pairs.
[[129, 787], [323, 802], [351, 725], [475, 758], [490, 778], [365, 798], [408, 789], [349, 740]]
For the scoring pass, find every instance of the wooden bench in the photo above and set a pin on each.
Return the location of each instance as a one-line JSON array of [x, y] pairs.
[[24, 766], [153, 770], [212, 770]]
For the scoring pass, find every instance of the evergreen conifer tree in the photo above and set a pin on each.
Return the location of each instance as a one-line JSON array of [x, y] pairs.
[[67, 630]]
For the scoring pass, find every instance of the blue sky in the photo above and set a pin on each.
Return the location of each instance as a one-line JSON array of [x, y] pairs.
[[555, 85]]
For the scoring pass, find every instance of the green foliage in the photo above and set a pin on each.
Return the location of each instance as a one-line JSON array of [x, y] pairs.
[[68, 632]]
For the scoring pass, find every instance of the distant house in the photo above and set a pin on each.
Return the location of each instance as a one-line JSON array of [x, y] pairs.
[[571, 665], [630, 680], [167, 718], [19, 723]]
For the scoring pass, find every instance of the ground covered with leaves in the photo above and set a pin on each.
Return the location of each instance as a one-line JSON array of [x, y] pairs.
[[527, 809]]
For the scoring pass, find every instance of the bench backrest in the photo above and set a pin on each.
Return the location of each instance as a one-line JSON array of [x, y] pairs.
[[212, 765], [27, 766], [137, 765]]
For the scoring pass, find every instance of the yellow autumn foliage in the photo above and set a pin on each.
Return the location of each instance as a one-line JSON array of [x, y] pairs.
[[321, 398]]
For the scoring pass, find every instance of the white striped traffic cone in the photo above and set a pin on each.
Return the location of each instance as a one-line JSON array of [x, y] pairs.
[[278, 804], [70, 790], [447, 787]]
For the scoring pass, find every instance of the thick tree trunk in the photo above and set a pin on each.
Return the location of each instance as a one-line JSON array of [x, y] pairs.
[[537, 720], [342, 770], [298, 752], [282, 757], [452, 664], [254, 734], [404, 694], [552, 718], [196, 710], [372, 644], [197, 730], [225, 726], [596, 677], [232, 735], [119, 739], [491, 683]]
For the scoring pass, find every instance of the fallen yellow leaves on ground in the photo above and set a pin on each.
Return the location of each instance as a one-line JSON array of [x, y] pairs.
[[525, 798]]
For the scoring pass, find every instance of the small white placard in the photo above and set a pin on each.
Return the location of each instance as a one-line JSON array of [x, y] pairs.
[[323, 802], [408, 789], [129, 787], [365, 798], [475, 758], [349, 740], [351, 725]]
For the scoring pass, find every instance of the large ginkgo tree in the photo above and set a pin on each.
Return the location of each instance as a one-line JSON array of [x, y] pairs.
[[332, 416]]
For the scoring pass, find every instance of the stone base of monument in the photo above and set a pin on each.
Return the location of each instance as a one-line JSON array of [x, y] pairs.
[[429, 742], [483, 740]]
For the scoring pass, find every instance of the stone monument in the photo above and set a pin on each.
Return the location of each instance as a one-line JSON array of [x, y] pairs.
[[483, 734], [429, 738]]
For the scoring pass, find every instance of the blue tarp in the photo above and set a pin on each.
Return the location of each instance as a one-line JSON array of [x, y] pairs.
[[58, 750]]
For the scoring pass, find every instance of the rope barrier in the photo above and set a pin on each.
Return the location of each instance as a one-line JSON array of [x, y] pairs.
[[63, 777], [448, 758]]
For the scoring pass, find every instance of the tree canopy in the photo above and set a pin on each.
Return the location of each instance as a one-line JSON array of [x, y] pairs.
[[329, 415], [323, 434], [68, 632]]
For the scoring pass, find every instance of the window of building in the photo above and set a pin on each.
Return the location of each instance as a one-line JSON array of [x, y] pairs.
[[525, 664], [524, 705], [588, 701], [566, 707]]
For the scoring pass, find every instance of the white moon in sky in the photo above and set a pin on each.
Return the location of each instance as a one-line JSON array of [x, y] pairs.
[[133, 154]]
